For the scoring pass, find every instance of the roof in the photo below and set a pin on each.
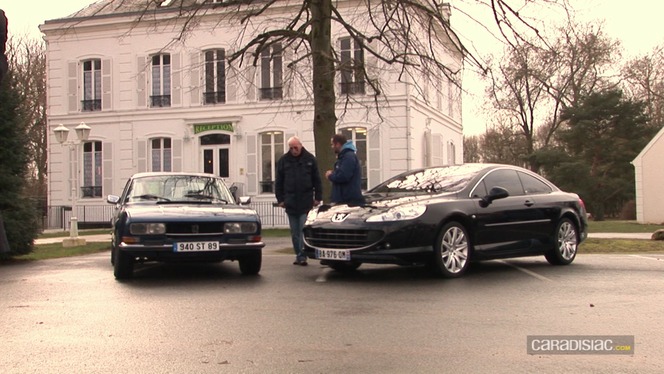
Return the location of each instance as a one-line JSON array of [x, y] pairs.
[[119, 7], [651, 143]]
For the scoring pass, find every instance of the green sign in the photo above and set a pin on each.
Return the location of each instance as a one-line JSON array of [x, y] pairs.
[[224, 126]]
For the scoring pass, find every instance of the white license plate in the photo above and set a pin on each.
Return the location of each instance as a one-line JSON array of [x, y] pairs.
[[195, 246], [333, 254]]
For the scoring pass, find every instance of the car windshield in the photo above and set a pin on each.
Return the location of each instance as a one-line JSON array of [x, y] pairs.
[[179, 188], [433, 180]]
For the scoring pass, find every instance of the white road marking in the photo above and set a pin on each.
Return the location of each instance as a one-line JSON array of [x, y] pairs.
[[531, 273], [646, 257], [322, 278]]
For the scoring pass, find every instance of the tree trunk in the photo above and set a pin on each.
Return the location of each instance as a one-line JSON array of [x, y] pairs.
[[325, 118]]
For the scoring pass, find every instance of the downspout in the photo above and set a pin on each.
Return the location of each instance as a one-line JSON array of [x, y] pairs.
[[408, 127]]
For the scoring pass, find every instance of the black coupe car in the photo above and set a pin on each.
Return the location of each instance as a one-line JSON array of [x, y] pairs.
[[447, 217], [179, 217]]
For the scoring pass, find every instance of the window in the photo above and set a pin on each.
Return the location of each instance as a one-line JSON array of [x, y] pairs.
[[532, 185], [215, 76], [92, 176], [359, 137], [161, 81], [91, 85], [271, 73], [451, 154], [506, 179], [272, 147], [352, 67], [161, 154]]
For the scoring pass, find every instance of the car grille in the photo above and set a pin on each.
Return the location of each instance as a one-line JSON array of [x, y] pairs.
[[194, 228], [340, 238]]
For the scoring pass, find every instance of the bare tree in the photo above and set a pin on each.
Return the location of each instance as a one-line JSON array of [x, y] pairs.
[[27, 61], [415, 38], [537, 80], [644, 81]]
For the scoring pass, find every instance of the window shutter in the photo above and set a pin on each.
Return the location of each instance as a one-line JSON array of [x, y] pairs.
[[107, 168], [251, 83], [106, 85], [428, 149], [437, 150], [72, 86], [252, 165], [142, 156], [177, 155], [287, 75], [374, 158], [231, 84], [195, 79], [141, 94], [176, 80]]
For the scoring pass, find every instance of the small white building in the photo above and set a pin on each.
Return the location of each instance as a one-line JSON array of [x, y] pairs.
[[157, 102], [649, 179]]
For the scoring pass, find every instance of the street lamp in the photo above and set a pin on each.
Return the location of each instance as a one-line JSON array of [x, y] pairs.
[[61, 134]]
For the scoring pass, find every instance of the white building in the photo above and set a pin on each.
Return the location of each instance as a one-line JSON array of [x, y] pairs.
[[649, 178], [155, 102]]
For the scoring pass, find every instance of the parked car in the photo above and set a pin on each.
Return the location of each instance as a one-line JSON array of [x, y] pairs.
[[179, 217], [446, 217]]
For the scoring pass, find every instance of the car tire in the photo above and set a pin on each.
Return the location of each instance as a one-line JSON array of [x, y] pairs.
[[451, 251], [251, 264], [566, 241], [123, 265], [343, 266]]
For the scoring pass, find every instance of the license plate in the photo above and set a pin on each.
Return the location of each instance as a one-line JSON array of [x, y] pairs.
[[333, 254], [195, 246]]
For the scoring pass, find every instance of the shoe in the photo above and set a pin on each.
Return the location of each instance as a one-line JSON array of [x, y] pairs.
[[303, 263], [296, 262]]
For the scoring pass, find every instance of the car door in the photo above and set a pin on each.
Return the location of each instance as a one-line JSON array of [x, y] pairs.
[[505, 225], [543, 212]]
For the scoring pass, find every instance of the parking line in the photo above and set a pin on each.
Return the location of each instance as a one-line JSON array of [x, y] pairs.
[[646, 257], [531, 273], [322, 278]]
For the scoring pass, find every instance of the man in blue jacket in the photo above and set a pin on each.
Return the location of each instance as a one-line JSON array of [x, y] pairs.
[[346, 177], [298, 188]]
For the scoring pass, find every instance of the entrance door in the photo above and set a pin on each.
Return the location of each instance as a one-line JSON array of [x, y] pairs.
[[216, 154]]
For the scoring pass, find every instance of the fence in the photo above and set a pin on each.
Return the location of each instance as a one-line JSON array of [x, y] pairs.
[[99, 216]]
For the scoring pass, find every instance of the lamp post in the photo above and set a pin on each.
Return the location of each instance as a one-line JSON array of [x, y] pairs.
[[82, 133]]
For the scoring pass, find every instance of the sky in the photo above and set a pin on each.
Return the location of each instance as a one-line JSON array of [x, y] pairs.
[[634, 23]]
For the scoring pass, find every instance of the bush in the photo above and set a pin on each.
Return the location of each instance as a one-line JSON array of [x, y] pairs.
[[628, 211]]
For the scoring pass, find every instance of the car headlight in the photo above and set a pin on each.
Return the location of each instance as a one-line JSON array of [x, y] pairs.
[[147, 228], [399, 214], [240, 228], [311, 216]]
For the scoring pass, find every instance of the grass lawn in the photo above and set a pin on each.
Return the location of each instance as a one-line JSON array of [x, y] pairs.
[[621, 226]]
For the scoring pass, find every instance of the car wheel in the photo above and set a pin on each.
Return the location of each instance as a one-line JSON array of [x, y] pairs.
[[451, 251], [566, 242], [123, 265], [251, 264], [343, 266]]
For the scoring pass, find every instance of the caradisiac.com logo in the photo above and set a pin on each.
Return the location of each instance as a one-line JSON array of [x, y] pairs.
[[580, 344]]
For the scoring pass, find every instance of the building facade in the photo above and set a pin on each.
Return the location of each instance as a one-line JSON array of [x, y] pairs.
[[158, 101], [649, 178]]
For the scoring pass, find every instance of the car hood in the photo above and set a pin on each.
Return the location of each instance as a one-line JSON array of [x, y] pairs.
[[170, 212], [377, 203]]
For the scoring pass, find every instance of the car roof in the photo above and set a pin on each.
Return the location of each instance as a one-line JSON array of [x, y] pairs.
[[171, 173]]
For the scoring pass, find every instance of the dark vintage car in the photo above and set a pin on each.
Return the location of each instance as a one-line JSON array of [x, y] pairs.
[[447, 217], [178, 217]]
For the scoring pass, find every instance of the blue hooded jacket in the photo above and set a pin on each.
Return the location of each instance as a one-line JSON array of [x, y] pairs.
[[346, 177]]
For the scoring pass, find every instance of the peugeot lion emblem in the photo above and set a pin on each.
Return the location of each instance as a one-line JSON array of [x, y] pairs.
[[339, 217], [194, 229]]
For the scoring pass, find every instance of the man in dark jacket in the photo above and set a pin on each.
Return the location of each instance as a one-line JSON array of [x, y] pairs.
[[346, 177], [298, 188]]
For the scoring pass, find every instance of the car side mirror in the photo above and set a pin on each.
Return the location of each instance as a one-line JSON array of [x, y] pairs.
[[245, 200], [494, 194], [112, 199]]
